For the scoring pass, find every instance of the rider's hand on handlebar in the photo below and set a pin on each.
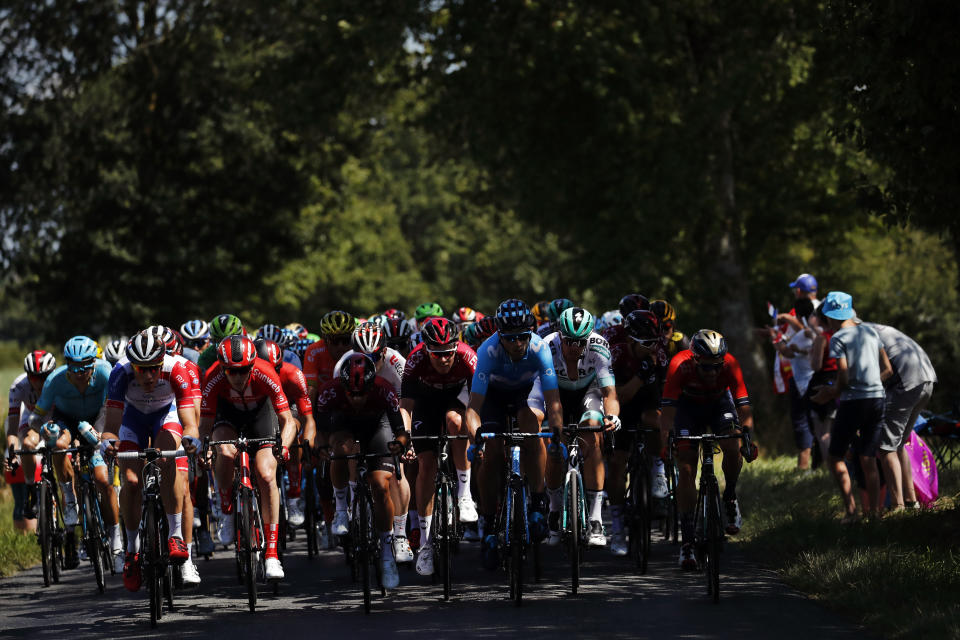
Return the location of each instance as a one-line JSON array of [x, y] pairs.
[[611, 422], [748, 450], [108, 448]]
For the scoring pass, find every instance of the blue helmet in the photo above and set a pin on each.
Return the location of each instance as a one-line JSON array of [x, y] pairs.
[[288, 338], [514, 316], [80, 349]]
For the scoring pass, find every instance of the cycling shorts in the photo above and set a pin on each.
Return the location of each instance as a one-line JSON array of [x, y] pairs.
[[694, 419], [256, 423], [373, 434], [430, 416], [142, 429], [498, 404], [631, 415]]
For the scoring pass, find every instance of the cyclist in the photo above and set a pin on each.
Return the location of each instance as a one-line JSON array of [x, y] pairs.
[[581, 359], [423, 313], [196, 336], [399, 335], [224, 325], [276, 334], [640, 366], [295, 388], [114, 350], [235, 403], [704, 388], [74, 393], [436, 387], [608, 319], [366, 406], [464, 316], [25, 390], [150, 402], [336, 327], [554, 309], [508, 363], [633, 302], [539, 311], [673, 340]]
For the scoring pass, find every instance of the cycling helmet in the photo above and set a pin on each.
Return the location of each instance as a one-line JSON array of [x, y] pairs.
[[642, 325], [632, 302], [337, 323], [236, 352], [225, 324], [357, 374], [428, 310], [469, 334], [539, 311], [395, 313], [114, 350], [513, 316], [146, 348], [301, 347], [609, 319], [378, 318], [39, 363], [576, 323], [666, 313], [486, 327], [369, 338], [397, 329], [297, 328], [169, 337], [80, 349], [463, 315], [195, 332], [556, 307], [708, 343], [288, 338], [270, 351], [439, 334], [270, 332]]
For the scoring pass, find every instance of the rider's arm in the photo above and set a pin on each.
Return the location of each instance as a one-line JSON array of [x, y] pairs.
[[288, 427], [611, 404], [745, 413], [406, 412], [472, 415], [551, 398]]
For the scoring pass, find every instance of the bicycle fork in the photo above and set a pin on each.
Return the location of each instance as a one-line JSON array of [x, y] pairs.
[[516, 479]]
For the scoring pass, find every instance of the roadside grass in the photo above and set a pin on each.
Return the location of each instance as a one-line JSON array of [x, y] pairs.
[[900, 576], [18, 551]]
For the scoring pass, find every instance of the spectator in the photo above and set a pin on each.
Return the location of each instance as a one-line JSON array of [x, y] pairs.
[[862, 366], [796, 350], [824, 374], [907, 392]]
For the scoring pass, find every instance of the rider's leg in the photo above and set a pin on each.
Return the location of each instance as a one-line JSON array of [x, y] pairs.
[[130, 500], [534, 450], [171, 489], [382, 505], [223, 466], [426, 477]]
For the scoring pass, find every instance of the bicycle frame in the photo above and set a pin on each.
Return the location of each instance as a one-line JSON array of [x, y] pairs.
[[50, 528]]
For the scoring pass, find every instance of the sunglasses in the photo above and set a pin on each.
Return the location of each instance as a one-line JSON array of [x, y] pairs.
[[441, 354], [338, 340], [80, 368], [711, 366], [149, 368], [240, 371], [515, 337], [38, 376], [575, 342], [646, 342]]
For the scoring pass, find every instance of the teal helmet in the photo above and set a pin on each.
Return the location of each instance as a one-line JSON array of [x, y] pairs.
[[556, 307], [80, 349], [225, 324], [576, 323], [428, 310]]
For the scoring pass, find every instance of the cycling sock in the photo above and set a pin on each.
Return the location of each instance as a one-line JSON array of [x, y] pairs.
[[616, 518], [463, 483], [133, 541], [686, 527], [730, 491], [174, 521], [556, 498], [293, 473], [340, 495], [425, 522], [386, 545], [400, 525], [116, 541], [271, 541], [226, 501], [595, 505], [190, 553]]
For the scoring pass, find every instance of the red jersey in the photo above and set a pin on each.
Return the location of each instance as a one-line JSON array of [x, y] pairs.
[[828, 364], [683, 378], [381, 399], [295, 387], [318, 364], [420, 378], [651, 368], [262, 384]]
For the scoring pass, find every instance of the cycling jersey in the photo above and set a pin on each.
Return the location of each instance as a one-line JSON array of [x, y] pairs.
[[207, 357], [495, 368], [175, 384], [421, 379], [295, 387], [263, 384], [683, 379], [21, 391], [594, 369], [546, 329], [318, 364], [292, 358], [69, 401], [651, 368], [335, 410], [391, 371]]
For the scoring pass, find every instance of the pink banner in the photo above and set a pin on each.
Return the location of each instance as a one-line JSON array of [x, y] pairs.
[[924, 469]]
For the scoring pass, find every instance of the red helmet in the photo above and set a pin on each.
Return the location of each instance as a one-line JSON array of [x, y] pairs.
[[486, 327], [642, 325], [439, 334], [357, 374], [236, 352], [461, 315], [395, 313], [270, 351], [39, 363]]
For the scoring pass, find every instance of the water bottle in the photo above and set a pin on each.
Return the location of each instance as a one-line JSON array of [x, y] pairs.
[[88, 434], [50, 432]]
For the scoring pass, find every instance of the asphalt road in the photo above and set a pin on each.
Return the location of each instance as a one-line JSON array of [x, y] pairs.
[[318, 597]]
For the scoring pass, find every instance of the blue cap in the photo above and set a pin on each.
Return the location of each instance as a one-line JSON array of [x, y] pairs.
[[805, 282], [838, 305]]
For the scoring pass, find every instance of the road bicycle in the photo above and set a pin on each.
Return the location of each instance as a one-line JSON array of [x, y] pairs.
[[638, 500], [154, 555], [50, 528], [93, 532]]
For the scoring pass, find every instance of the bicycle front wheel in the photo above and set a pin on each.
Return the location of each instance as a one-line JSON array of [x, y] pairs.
[[573, 524], [45, 530], [443, 534], [714, 536], [517, 538], [248, 554], [151, 562], [93, 537], [364, 551]]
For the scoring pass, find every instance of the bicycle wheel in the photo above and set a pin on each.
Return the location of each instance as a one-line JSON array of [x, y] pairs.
[[443, 535], [57, 534], [572, 521], [309, 518], [248, 554], [517, 538], [363, 553], [44, 533], [151, 561], [92, 537], [643, 519], [714, 536]]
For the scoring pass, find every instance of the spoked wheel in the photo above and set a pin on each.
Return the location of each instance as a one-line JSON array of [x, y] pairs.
[[151, 564], [168, 586], [714, 536], [309, 519], [248, 553], [517, 536], [93, 539], [363, 555], [643, 522], [45, 531], [444, 535], [572, 505]]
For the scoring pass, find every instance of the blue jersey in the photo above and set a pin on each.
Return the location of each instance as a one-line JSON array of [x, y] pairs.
[[292, 358], [60, 392], [496, 369]]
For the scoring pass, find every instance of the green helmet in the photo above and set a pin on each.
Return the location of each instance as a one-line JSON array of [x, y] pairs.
[[428, 310], [225, 324], [576, 323], [558, 306], [469, 334]]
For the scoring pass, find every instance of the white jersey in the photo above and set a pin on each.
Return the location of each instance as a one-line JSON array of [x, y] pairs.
[[595, 368], [175, 385], [21, 392], [391, 369]]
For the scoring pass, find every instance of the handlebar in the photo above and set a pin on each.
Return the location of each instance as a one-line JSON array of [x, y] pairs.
[[149, 454], [516, 437], [456, 437]]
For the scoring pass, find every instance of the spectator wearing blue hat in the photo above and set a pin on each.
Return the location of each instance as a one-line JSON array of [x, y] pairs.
[[862, 366]]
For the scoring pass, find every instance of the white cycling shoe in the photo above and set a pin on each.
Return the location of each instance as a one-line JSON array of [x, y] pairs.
[[273, 569], [391, 577], [226, 529], [468, 510], [425, 560], [401, 549], [341, 524], [189, 574], [294, 512], [596, 537]]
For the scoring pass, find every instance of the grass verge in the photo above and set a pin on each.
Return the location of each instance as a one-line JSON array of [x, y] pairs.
[[17, 551], [899, 576]]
